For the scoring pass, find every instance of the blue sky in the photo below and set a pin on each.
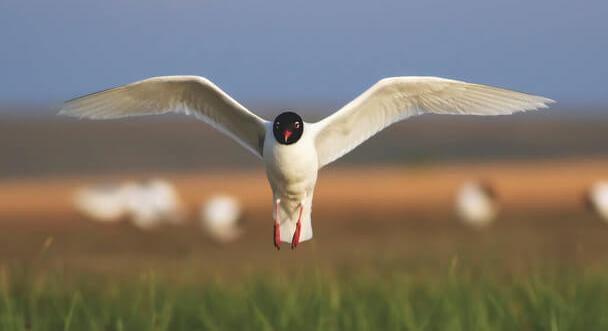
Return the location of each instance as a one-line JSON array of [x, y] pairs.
[[303, 51]]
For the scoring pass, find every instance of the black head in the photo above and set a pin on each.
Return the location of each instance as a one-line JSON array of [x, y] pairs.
[[288, 128]]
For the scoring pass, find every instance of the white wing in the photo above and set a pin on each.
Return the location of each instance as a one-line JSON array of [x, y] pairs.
[[183, 94], [394, 99]]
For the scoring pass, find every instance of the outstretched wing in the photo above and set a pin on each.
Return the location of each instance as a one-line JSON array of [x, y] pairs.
[[191, 95], [394, 99]]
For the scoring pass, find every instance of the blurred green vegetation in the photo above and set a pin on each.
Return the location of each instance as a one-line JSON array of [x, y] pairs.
[[459, 298]]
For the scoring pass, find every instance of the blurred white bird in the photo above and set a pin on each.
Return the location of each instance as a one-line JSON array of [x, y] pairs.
[[152, 203], [597, 199], [220, 216], [293, 151], [476, 204], [103, 203], [146, 204], [141, 211]]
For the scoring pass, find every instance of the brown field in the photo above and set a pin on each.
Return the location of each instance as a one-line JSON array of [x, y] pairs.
[[374, 215]]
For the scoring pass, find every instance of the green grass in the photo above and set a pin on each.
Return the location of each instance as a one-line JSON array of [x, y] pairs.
[[323, 300]]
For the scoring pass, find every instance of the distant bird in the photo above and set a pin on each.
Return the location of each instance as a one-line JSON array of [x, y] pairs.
[[220, 216], [476, 204], [292, 150], [597, 199], [103, 203], [140, 210], [166, 201], [152, 203], [146, 204]]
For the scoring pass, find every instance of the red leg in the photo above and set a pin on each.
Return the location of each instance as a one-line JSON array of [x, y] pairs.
[[277, 227], [296, 235]]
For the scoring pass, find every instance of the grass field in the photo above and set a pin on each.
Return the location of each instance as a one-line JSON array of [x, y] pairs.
[[394, 258], [457, 298]]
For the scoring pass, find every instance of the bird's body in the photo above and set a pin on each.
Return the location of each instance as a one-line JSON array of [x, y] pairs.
[[476, 204], [103, 203], [152, 203], [292, 175], [220, 216], [597, 199], [146, 204], [292, 150]]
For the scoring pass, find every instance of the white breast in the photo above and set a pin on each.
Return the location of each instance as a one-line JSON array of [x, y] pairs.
[[291, 169]]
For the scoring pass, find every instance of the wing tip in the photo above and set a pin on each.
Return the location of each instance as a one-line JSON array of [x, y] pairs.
[[548, 101], [543, 103], [66, 111], [70, 109]]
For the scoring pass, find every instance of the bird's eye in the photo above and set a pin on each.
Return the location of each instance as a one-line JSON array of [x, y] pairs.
[[297, 125], [278, 123]]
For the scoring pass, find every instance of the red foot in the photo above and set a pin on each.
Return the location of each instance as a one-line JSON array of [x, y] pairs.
[[296, 235], [277, 236], [277, 227]]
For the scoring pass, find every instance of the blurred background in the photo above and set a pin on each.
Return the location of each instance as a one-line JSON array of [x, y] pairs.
[[171, 197]]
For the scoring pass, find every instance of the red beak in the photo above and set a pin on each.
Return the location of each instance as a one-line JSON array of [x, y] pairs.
[[286, 135]]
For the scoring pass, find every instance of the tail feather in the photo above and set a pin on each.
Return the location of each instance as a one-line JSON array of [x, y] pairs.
[[288, 218]]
